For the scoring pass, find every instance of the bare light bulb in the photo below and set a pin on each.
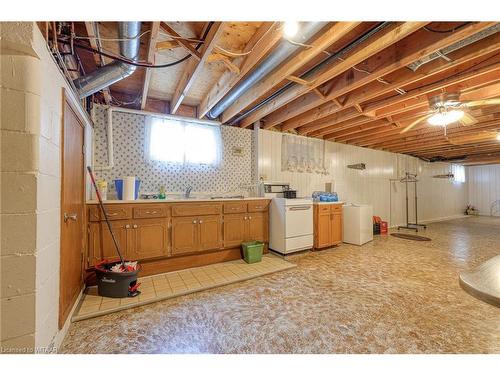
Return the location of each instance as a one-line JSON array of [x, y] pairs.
[[291, 28]]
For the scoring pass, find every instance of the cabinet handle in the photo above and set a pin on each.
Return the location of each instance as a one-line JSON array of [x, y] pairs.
[[246, 218], [201, 221], [194, 221], [127, 226], [249, 218], [152, 212], [113, 214], [258, 207], [135, 226]]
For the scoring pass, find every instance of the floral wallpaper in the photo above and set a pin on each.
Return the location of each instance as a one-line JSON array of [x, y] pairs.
[[128, 146]]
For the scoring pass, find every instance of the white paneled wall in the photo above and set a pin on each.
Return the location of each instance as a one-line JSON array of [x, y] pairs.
[[438, 198], [484, 188]]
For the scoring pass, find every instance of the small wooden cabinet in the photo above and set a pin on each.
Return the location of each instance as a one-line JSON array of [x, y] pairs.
[[327, 225], [192, 233], [252, 226]]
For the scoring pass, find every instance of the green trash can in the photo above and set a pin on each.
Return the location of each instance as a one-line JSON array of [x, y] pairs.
[[252, 251]]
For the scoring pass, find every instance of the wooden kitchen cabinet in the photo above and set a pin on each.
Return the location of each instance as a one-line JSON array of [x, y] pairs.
[[257, 227], [327, 225], [149, 239], [235, 229], [167, 236], [196, 233]]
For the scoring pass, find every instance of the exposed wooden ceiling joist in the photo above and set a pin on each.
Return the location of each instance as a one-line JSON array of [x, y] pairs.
[[265, 39], [331, 35], [400, 55], [181, 41], [194, 67], [153, 36]]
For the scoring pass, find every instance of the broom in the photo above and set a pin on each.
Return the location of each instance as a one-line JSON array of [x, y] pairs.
[[98, 194]]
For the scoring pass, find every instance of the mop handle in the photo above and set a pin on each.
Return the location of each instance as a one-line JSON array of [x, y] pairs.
[[105, 215]]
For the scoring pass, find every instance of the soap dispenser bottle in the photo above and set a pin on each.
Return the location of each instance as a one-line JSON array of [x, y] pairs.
[[162, 194]]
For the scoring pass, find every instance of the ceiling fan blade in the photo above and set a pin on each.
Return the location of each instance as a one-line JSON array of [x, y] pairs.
[[477, 103], [414, 123], [467, 119]]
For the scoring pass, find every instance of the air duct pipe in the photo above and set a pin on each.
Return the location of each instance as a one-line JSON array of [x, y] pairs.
[[117, 70], [284, 50]]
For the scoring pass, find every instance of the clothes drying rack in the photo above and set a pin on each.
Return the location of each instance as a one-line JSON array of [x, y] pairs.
[[411, 179]]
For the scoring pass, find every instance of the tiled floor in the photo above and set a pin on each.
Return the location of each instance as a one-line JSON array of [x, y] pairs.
[[172, 284], [388, 296]]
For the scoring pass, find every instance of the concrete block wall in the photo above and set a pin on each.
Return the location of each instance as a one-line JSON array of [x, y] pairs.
[[31, 135]]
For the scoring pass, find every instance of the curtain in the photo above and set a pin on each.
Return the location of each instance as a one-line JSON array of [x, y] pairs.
[[182, 142], [301, 154]]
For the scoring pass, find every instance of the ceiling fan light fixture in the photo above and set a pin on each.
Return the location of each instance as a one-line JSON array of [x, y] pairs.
[[443, 118]]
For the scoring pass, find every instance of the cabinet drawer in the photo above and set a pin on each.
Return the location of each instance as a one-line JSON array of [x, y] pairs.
[[148, 211], [324, 208], [114, 213], [258, 206], [336, 208], [195, 209], [235, 207]]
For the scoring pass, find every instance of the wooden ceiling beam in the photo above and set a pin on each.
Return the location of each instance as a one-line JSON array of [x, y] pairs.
[[153, 37], [366, 50], [265, 39], [194, 67], [401, 54], [333, 34], [182, 41]]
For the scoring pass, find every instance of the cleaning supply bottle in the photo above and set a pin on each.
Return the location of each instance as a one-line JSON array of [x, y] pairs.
[[162, 194]]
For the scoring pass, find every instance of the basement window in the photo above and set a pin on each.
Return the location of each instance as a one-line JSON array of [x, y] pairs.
[[458, 172], [182, 142]]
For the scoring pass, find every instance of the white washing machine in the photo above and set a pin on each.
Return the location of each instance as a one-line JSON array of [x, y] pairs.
[[358, 223]]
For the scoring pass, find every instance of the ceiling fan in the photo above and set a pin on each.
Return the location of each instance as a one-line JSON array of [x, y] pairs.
[[446, 109]]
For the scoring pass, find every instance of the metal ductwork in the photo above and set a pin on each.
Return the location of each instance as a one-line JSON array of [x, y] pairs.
[[284, 50], [117, 70], [442, 53]]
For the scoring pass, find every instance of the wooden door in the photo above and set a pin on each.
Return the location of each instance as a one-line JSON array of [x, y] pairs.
[[235, 230], [210, 232], [121, 229], [323, 229], [72, 210], [336, 225], [257, 227], [184, 235], [149, 239]]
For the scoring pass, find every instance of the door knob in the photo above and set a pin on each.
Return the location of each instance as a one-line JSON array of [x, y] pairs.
[[69, 217]]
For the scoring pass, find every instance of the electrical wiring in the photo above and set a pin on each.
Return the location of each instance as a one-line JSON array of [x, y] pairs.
[[230, 53], [131, 62], [74, 36], [427, 28]]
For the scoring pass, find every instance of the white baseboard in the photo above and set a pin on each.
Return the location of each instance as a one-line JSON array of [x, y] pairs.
[[435, 220]]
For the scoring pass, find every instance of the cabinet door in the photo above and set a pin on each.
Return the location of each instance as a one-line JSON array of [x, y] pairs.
[[149, 239], [94, 244], [184, 235], [121, 230], [336, 227], [210, 232], [323, 230], [234, 230], [258, 227]]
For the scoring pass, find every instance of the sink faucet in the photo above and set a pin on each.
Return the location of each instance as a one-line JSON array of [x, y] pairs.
[[188, 191]]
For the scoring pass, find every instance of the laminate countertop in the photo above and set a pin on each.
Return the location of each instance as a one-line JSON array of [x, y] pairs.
[[181, 200]]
